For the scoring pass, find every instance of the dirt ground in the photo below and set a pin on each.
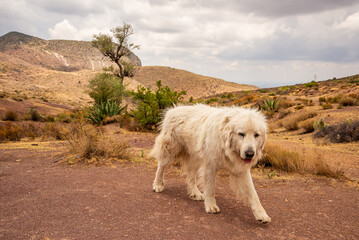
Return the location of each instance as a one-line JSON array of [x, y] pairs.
[[42, 199]]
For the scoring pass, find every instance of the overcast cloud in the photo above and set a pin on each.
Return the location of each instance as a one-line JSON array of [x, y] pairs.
[[265, 43]]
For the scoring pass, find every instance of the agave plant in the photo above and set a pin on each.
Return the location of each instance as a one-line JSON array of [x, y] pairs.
[[102, 110], [270, 105]]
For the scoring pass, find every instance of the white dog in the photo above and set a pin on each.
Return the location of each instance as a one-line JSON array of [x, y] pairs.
[[209, 139]]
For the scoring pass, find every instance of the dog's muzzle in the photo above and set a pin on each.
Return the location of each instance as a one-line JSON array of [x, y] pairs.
[[249, 155]]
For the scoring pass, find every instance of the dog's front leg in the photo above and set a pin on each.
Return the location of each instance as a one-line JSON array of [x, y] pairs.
[[242, 185], [209, 190]]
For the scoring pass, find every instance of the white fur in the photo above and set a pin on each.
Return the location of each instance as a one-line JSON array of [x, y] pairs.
[[206, 139]]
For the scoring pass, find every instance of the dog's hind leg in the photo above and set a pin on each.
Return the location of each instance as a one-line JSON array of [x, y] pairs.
[[158, 184], [193, 191], [164, 150]]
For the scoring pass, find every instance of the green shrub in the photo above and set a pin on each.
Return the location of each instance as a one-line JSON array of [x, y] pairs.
[[33, 115], [318, 125], [311, 84], [151, 104], [106, 87], [128, 69], [208, 101]]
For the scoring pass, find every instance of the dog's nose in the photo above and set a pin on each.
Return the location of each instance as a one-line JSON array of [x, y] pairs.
[[249, 154]]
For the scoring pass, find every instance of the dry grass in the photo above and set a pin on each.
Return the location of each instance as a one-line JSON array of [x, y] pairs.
[[88, 145], [17, 131], [301, 161], [291, 123], [307, 125], [55, 131], [348, 101], [10, 116], [11, 132], [327, 106]]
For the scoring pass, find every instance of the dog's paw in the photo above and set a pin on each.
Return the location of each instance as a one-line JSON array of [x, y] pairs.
[[263, 219], [212, 209], [158, 187], [196, 196]]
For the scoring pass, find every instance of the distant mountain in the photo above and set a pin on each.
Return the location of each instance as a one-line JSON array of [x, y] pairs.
[[61, 55]]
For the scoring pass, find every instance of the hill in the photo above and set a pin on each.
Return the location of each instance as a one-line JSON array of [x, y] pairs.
[[196, 85], [61, 55], [59, 70]]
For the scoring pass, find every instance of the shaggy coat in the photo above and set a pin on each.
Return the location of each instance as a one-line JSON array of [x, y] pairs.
[[207, 139]]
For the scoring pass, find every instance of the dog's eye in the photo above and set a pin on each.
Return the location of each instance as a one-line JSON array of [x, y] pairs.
[[256, 135], [241, 135]]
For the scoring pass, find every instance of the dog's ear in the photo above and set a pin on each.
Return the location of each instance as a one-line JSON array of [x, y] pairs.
[[227, 132], [262, 140]]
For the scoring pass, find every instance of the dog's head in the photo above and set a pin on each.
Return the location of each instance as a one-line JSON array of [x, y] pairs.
[[245, 136]]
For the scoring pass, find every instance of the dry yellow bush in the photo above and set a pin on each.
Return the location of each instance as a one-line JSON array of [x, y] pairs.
[[88, 145], [291, 123], [307, 125], [301, 161]]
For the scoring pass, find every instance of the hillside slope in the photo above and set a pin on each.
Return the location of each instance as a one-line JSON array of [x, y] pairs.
[[61, 55], [196, 85]]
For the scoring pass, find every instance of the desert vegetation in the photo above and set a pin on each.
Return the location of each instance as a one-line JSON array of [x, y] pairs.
[[287, 110], [116, 47], [345, 132], [87, 144], [152, 104], [316, 112], [304, 161]]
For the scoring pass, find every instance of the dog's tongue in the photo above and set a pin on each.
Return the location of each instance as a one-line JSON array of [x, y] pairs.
[[247, 160]]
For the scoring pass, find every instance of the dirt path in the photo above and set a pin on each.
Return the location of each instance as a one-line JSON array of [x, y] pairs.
[[40, 199]]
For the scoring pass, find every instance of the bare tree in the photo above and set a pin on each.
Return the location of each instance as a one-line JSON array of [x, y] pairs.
[[117, 46]]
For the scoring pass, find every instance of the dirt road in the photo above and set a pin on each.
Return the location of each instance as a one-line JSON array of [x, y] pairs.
[[40, 199]]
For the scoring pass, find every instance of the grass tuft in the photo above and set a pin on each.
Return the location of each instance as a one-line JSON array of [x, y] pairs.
[[10, 116], [303, 161], [291, 123], [88, 145]]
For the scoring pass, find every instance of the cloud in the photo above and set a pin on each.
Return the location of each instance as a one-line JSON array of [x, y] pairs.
[[64, 30], [350, 23], [238, 40]]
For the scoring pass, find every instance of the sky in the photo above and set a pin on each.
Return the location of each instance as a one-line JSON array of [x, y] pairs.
[[264, 43]]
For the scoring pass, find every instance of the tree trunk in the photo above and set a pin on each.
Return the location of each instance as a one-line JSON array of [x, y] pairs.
[[120, 74]]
